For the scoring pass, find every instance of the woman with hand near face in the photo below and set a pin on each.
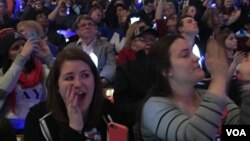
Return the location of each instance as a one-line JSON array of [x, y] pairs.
[[174, 108], [21, 73], [74, 108]]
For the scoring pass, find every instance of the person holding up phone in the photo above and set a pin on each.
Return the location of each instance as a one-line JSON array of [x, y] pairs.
[[32, 29], [21, 73]]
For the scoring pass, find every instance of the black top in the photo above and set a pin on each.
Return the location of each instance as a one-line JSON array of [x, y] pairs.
[[58, 131]]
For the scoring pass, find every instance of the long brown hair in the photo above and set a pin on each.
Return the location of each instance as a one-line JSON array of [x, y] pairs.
[[55, 103]]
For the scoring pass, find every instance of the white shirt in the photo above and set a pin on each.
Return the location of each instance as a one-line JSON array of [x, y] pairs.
[[89, 50]]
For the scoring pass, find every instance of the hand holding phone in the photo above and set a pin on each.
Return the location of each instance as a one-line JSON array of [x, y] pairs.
[[33, 35]]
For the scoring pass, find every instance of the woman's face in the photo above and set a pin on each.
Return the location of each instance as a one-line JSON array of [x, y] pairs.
[[218, 20], [191, 11], [228, 3], [15, 49], [168, 9], [119, 10], [185, 68], [97, 15], [77, 79], [42, 19], [24, 30], [231, 42], [172, 21]]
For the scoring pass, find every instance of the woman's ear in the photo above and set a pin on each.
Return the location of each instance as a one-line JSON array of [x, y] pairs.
[[179, 29]]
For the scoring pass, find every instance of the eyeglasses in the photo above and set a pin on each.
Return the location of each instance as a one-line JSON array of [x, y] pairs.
[[146, 39]]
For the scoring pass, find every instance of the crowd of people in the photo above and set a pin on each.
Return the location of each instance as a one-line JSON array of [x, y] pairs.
[[170, 64]]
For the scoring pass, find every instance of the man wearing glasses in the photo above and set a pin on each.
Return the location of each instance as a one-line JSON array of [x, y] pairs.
[[100, 51]]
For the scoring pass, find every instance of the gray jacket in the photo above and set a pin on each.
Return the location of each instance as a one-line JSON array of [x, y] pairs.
[[106, 59]]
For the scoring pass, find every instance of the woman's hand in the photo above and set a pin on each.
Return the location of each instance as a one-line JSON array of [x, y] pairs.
[[75, 114], [217, 66], [29, 47], [216, 62], [43, 50]]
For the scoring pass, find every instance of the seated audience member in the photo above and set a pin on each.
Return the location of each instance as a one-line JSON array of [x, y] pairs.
[[21, 73], [188, 28], [147, 12], [189, 10], [228, 41], [7, 131], [25, 27], [50, 29], [127, 53], [96, 13], [100, 51], [234, 16], [75, 104], [60, 16], [174, 109], [132, 80], [165, 24], [211, 23], [33, 6]]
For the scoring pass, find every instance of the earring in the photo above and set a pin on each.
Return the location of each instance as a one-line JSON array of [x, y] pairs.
[[170, 74]]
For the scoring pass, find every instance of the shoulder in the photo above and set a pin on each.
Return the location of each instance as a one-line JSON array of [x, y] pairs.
[[103, 42], [70, 45], [38, 110], [155, 105]]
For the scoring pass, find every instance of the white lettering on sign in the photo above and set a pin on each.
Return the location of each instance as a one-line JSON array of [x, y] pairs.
[[236, 132]]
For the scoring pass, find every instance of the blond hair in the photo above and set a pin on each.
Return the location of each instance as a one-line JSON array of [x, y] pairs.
[[34, 25]]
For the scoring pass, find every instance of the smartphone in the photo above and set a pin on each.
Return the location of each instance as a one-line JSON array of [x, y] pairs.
[[134, 19], [33, 35], [117, 132]]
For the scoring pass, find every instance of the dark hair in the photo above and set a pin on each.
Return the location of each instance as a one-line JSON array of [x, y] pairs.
[[34, 14], [6, 62], [7, 131], [180, 22], [95, 7], [208, 16], [146, 2], [222, 35], [224, 9], [55, 102], [159, 61], [83, 17]]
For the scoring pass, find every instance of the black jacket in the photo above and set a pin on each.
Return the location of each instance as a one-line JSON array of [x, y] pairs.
[[60, 132], [131, 85]]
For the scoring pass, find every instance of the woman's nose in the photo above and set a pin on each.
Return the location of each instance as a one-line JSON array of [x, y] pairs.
[[77, 82]]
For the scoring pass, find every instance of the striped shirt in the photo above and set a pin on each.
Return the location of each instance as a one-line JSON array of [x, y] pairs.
[[162, 119]]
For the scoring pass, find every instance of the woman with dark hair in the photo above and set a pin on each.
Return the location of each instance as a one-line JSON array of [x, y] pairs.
[[211, 23], [174, 109], [229, 43], [21, 73], [75, 103]]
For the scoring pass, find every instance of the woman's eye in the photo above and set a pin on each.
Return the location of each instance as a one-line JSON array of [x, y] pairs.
[[85, 75], [68, 78], [185, 54]]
